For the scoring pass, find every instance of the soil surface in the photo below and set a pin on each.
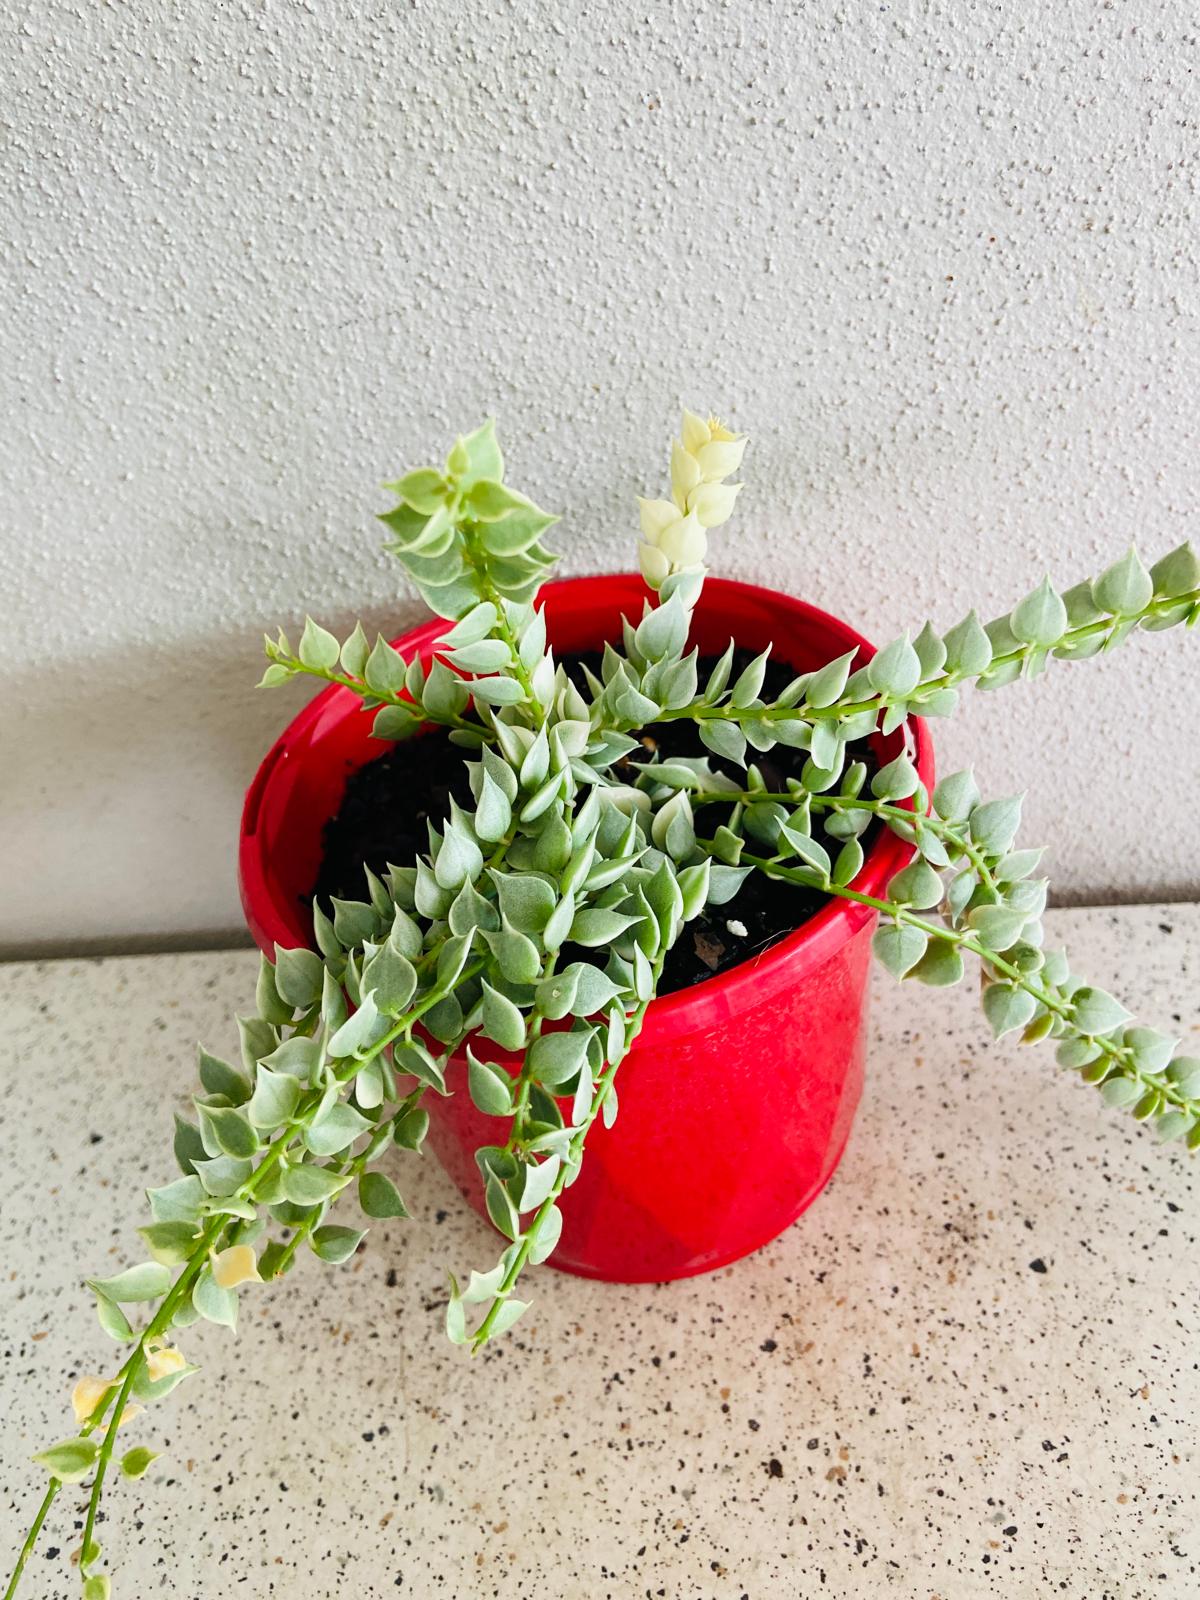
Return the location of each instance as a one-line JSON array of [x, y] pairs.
[[387, 803]]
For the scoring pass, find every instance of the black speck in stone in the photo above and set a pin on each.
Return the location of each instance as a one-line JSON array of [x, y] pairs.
[[775, 1467], [440, 1216], [1037, 1265], [768, 1345], [814, 1444], [1010, 1530], [95, 1138], [368, 1437], [1165, 927], [392, 1280], [753, 1425], [53, 1552]]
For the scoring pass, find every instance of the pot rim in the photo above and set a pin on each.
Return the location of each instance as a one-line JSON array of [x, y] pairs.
[[714, 999]]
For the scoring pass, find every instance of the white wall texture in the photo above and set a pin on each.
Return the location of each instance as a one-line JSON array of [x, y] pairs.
[[939, 259]]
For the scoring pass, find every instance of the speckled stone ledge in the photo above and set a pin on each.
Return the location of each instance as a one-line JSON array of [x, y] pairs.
[[970, 1369]]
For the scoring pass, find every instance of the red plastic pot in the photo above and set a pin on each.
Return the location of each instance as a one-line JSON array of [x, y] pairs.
[[737, 1099]]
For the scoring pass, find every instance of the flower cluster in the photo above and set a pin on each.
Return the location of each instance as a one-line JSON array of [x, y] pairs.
[[674, 531]]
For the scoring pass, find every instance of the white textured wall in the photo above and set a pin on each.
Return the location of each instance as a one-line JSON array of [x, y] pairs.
[[941, 260]]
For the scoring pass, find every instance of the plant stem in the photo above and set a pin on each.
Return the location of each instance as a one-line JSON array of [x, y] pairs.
[[1120, 1055], [32, 1536], [958, 834], [841, 710], [633, 1026]]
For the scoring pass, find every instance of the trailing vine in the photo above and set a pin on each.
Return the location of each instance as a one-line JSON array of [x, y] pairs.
[[537, 923]]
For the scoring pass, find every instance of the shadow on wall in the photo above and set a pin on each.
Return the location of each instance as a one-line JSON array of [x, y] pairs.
[[123, 777]]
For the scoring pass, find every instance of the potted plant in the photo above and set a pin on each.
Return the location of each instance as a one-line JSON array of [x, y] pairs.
[[607, 799]]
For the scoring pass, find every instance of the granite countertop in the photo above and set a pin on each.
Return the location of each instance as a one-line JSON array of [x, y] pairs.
[[971, 1368]]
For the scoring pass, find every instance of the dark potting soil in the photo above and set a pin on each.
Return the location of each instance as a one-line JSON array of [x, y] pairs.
[[388, 802]]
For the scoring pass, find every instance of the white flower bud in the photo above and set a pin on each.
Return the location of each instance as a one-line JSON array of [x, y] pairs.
[[236, 1265], [684, 543], [656, 515], [655, 566], [695, 431], [685, 474], [720, 458], [712, 503]]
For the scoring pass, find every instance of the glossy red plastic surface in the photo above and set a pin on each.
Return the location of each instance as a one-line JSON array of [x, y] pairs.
[[737, 1099]]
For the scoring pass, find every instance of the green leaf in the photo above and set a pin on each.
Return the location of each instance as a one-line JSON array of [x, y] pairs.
[[899, 947], [226, 1131], [516, 956], [956, 796], [500, 1208], [71, 1460], [484, 656], [336, 1130], [97, 1587], [150, 1280], [177, 1202], [599, 926], [379, 1196], [826, 686], [1125, 588], [482, 454], [897, 781], [135, 1462], [548, 1236], [1007, 1008], [1177, 573], [848, 863], [112, 1319], [424, 490], [918, 886], [931, 652], [299, 977], [298, 1056], [994, 824], [526, 902], [968, 648], [999, 927], [267, 1001], [335, 1244], [940, 966], [360, 1031], [276, 1096], [318, 648], [750, 681], [555, 1058], [1097, 1013], [354, 652], [411, 1127], [502, 1020], [308, 1185], [489, 500], [723, 738], [497, 691], [218, 1077], [508, 1313], [490, 1088], [170, 1243], [539, 1182], [214, 1303], [385, 672], [1041, 618], [896, 670], [493, 815], [390, 979]]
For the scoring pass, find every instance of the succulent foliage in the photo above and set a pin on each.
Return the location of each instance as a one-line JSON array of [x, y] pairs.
[[532, 932]]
